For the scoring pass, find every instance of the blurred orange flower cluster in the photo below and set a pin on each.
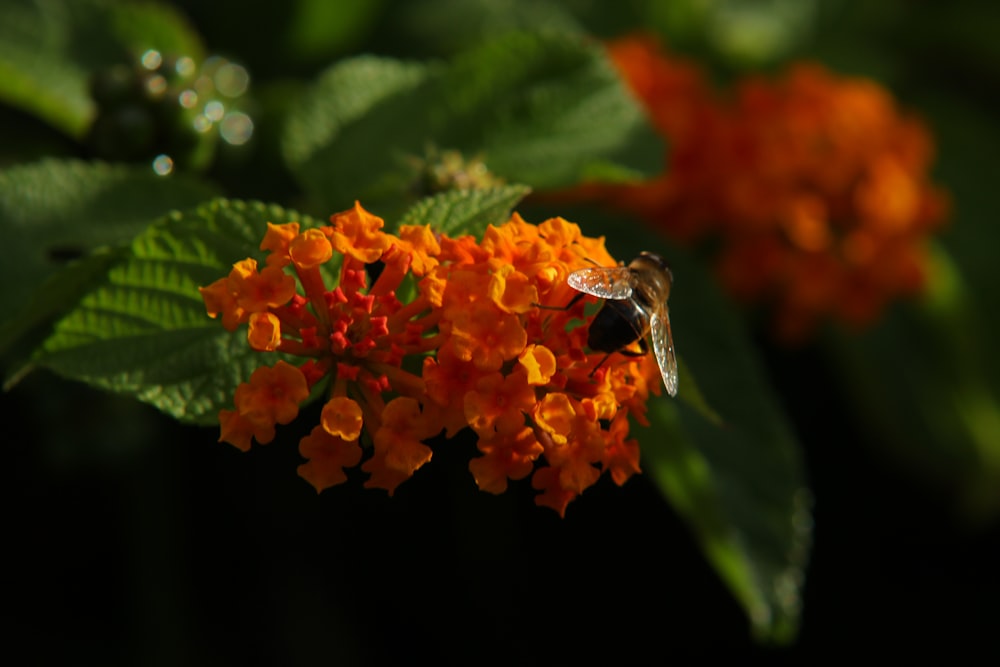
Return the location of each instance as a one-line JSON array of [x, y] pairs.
[[811, 190], [470, 349]]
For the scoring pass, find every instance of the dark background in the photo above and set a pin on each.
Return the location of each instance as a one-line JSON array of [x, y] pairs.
[[182, 549]]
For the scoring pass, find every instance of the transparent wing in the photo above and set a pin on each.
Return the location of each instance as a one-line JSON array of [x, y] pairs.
[[606, 282], [663, 349]]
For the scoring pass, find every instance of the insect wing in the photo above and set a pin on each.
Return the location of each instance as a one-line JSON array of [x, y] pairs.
[[663, 349], [605, 282]]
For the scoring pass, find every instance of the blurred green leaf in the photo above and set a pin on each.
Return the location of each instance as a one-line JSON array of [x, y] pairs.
[[448, 26], [57, 294], [925, 382], [740, 482], [136, 27], [724, 455], [58, 209], [49, 50], [319, 28], [142, 329], [967, 135], [693, 397], [753, 524], [920, 382], [36, 72], [547, 111], [741, 34], [458, 212], [341, 98]]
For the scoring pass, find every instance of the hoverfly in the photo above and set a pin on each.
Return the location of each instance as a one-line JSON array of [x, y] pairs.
[[636, 305]]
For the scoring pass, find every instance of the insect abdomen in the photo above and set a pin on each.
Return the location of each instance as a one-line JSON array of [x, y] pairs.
[[617, 324]]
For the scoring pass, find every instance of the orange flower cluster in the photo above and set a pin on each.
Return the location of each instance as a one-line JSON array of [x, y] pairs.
[[812, 189], [471, 349]]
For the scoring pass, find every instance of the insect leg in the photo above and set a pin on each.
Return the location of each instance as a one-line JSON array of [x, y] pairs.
[[600, 364], [572, 302], [627, 353]]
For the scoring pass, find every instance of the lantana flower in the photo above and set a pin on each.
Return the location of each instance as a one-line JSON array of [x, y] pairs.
[[473, 350], [811, 190]]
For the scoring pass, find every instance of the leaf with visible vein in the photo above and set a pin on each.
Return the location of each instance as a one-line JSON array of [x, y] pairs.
[[143, 330], [459, 212]]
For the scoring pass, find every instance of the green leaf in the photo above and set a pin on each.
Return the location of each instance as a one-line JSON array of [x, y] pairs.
[[143, 330], [459, 212], [56, 295], [36, 72], [449, 26], [745, 33], [926, 379], [327, 115], [724, 454], [54, 208], [49, 50], [693, 397], [544, 110], [137, 27], [921, 380], [320, 29], [739, 482]]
